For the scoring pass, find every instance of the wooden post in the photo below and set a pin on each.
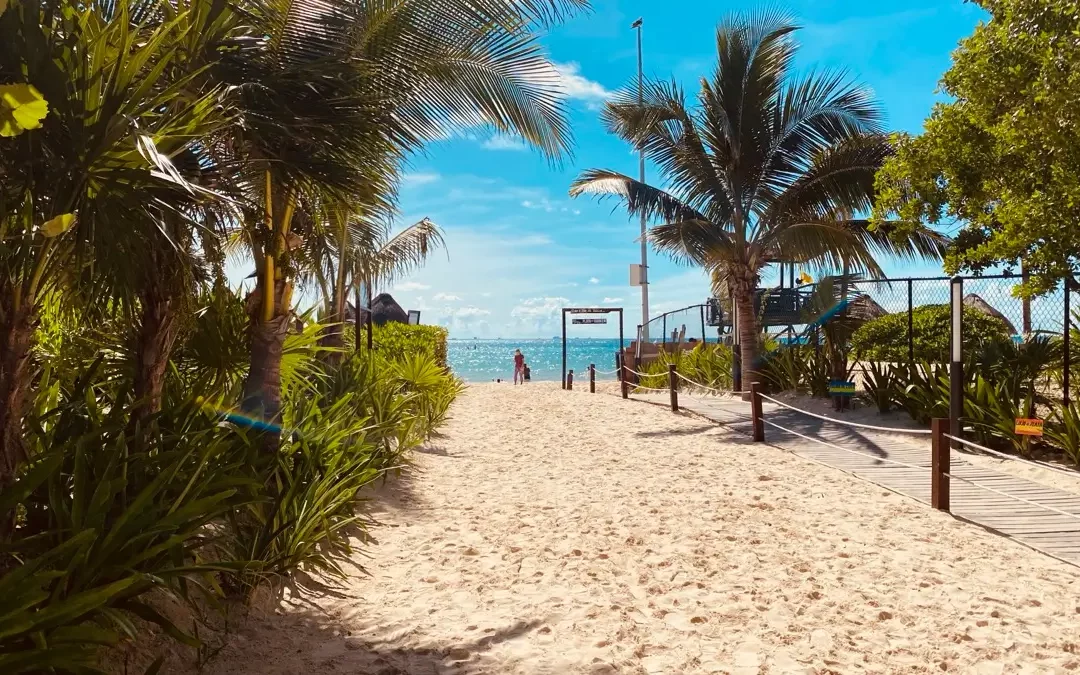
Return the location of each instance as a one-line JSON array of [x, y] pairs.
[[755, 412], [570, 381], [622, 375], [592, 378], [673, 387], [939, 464]]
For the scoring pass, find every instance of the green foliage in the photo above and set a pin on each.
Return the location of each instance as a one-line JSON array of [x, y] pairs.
[[708, 364], [197, 509], [881, 385], [396, 340], [797, 368], [1000, 155], [885, 338], [1062, 430], [104, 520]]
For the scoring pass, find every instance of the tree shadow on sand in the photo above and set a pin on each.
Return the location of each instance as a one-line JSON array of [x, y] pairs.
[[310, 640], [665, 433]]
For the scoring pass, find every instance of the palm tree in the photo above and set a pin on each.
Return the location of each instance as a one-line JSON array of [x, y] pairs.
[[767, 167], [334, 95], [87, 190]]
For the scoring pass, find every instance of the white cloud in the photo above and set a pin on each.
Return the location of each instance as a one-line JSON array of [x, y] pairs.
[[594, 280], [409, 286], [612, 299], [412, 179], [504, 142], [446, 297], [544, 308], [575, 85], [469, 312], [542, 203]]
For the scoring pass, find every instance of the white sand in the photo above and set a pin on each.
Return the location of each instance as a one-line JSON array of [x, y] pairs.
[[555, 532]]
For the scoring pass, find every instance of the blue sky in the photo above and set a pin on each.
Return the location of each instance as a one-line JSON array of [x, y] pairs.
[[519, 248]]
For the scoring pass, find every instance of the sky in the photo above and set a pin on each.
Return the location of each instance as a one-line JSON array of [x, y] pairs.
[[518, 248]]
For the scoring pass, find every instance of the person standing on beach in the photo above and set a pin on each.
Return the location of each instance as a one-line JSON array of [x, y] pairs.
[[519, 367]]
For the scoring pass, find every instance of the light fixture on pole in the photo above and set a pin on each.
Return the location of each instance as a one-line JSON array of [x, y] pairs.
[[641, 177]]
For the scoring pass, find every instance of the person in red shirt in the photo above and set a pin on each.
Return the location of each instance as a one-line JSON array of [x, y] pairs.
[[519, 367]]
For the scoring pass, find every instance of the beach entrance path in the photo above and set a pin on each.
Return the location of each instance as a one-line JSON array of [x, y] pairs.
[[553, 532]]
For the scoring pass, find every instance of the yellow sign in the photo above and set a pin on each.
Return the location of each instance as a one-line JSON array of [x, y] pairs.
[[1029, 427]]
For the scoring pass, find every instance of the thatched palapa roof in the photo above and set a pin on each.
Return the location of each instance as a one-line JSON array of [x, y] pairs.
[[384, 308], [865, 308], [977, 303]]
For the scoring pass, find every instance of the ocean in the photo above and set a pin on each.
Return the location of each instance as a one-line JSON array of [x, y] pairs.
[[486, 360]]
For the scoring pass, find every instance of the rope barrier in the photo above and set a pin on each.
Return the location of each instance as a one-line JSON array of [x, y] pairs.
[[698, 384], [1019, 499], [850, 424], [837, 447], [1041, 465]]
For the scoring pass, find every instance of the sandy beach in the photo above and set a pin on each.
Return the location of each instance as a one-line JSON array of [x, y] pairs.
[[562, 532]]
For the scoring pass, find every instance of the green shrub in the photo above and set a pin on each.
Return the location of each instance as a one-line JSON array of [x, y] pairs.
[[885, 338], [708, 364], [395, 340], [797, 368], [102, 521]]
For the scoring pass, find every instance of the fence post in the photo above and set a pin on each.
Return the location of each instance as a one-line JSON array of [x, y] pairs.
[[673, 387], [704, 337], [736, 349], [622, 376], [592, 378], [1065, 343], [755, 413], [618, 366], [910, 326], [939, 465], [956, 368]]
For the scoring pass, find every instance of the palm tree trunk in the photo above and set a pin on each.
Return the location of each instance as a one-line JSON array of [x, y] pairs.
[[748, 333], [16, 339], [262, 388], [157, 334]]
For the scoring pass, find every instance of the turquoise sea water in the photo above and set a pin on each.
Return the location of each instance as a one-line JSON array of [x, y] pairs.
[[486, 360]]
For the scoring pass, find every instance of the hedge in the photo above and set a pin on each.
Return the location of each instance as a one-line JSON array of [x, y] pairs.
[[885, 338], [399, 338]]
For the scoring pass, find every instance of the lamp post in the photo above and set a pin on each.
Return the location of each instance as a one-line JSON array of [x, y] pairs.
[[641, 177]]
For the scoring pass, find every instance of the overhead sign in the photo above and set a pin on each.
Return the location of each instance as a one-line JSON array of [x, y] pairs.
[[1028, 427], [841, 388], [589, 321], [592, 310], [637, 275]]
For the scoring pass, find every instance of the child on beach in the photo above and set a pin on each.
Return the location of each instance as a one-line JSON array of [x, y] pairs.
[[519, 367], [528, 373]]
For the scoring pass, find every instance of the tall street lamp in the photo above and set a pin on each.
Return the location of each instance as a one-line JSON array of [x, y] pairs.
[[641, 177]]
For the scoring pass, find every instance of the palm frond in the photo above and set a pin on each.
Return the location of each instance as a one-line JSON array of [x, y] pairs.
[[639, 197]]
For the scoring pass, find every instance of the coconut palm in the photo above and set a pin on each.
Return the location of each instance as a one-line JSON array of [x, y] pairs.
[[82, 193], [767, 167], [335, 95]]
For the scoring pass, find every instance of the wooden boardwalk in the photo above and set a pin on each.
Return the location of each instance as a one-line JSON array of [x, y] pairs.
[[1053, 533]]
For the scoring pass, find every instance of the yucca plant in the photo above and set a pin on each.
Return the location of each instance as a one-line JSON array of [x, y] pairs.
[[309, 507], [1063, 430], [925, 391], [881, 383], [104, 521]]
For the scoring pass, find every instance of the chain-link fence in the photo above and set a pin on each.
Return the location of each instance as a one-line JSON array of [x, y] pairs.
[[687, 324], [919, 311]]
